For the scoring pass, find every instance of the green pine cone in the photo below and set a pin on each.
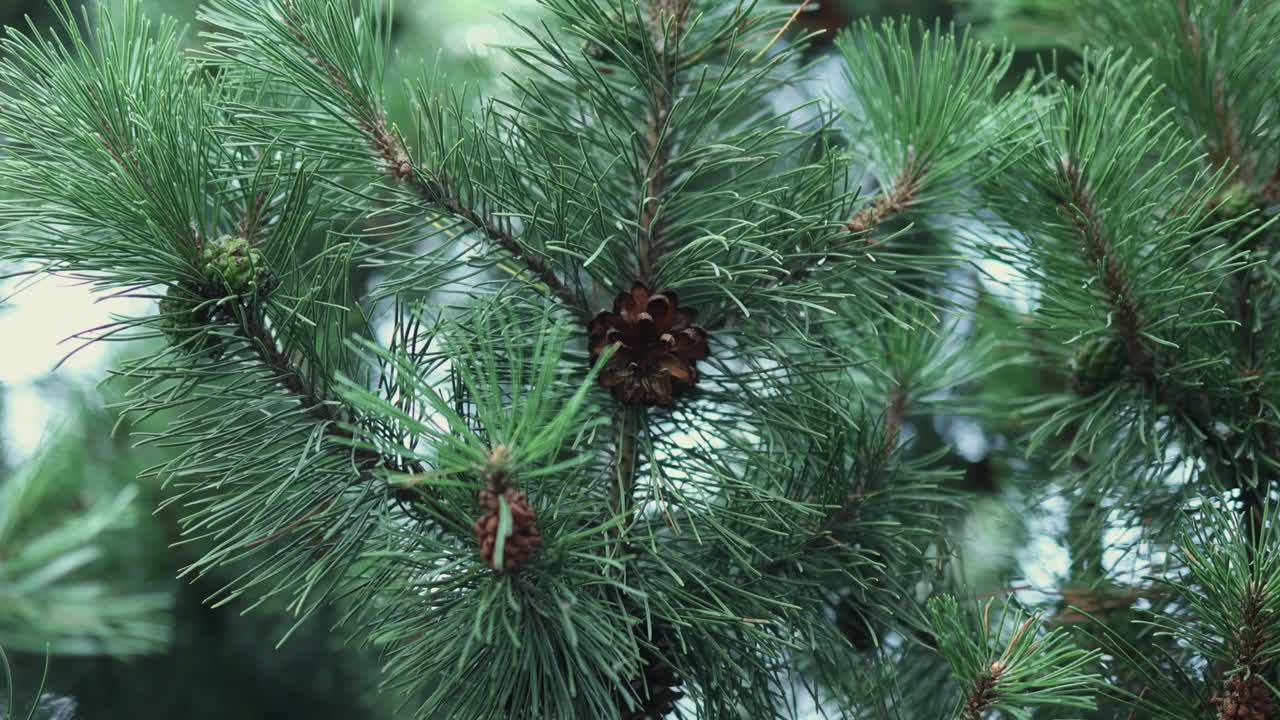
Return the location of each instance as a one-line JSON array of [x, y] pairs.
[[1099, 363], [234, 264]]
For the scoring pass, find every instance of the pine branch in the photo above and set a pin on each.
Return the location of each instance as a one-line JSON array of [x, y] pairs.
[[1252, 495], [1007, 662], [1219, 72], [665, 25], [368, 464], [1130, 323], [254, 222], [399, 164], [1228, 610], [658, 688], [253, 325], [277, 361]]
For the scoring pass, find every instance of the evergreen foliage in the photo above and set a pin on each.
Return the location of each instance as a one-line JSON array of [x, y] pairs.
[[599, 398]]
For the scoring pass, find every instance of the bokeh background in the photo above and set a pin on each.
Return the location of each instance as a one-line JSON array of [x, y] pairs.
[[89, 567]]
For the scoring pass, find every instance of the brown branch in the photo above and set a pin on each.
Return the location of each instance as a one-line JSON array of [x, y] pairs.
[[894, 200], [254, 330], [255, 219], [286, 373], [319, 508], [1252, 492], [399, 165], [666, 21], [256, 216], [658, 687]]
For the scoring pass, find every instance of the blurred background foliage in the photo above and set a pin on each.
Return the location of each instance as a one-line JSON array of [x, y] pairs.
[[129, 639]]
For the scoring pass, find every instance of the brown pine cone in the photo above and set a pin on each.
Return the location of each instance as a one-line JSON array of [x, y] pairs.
[[524, 538], [658, 347]]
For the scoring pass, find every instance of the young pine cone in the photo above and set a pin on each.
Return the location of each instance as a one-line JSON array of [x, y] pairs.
[[234, 264], [658, 347], [524, 537], [1245, 700]]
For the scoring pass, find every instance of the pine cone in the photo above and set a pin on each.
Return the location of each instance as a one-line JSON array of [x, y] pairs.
[[658, 347], [1099, 363], [1245, 699], [658, 688], [525, 536], [234, 264]]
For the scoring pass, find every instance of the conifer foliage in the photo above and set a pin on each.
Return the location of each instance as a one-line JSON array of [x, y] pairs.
[[596, 399]]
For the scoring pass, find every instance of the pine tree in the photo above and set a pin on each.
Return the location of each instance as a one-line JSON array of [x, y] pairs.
[[599, 397]]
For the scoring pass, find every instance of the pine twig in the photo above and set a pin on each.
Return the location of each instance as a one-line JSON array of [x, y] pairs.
[[1129, 319], [620, 493], [666, 21], [894, 200], [891, 201]]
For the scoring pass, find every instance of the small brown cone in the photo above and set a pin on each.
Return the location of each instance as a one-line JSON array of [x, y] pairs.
[[524, 537]]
